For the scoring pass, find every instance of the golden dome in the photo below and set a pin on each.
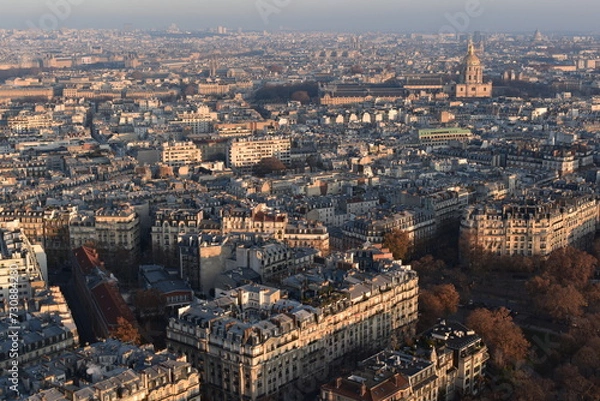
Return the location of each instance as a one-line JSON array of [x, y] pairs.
[[471, 59]]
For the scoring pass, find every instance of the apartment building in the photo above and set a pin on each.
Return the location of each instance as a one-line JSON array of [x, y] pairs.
[[110, 370], [25, 122], [108, 229], [271, 259], [199, 122], [31, 222], [444, 136], [260, 219], [447, 205], [301, 234], [251, 342], [448, 361], [202, 259], [45, 325], [420, 225], [177, 154], [244, 153], [21, 264], [23, 92], [169, 224], [531, 226]]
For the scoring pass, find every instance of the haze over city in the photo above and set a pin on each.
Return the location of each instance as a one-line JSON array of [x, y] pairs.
[[353, 15]]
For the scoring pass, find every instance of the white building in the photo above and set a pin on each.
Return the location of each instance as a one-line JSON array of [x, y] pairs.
[[177, 154], [19, 267], [244, 153]]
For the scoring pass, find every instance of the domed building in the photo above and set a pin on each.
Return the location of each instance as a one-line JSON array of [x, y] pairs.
[[471, 84]]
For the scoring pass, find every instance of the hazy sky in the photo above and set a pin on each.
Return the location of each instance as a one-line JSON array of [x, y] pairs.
[[341, 15]]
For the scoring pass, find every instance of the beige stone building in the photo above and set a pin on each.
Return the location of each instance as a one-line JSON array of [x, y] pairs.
[[251, 343], [27, 122], [448, 361], [531, 226], [259, 219], [109, 229], [314, 235], [22, 92], [169, 224], [167, 381]]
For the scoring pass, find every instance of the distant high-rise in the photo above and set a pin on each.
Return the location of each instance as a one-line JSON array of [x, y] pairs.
[[479, 41], [213, 65]]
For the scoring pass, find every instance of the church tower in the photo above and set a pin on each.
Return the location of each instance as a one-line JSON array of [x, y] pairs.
[[471, 81], [472, 69]]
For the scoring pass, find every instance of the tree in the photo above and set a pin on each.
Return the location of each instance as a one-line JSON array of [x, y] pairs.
[[269, 165], [448, 296], [301, 96], [137, 75], [278, 69], [561, 302], [428, 265], [504, 338], [189, 90], [572, 383], [472, 255], [529, 387], [592, 295], [538, 285], [150, 302], [570, 266], [430, 308], [356, 69], [399, 243], [437, 302], [587, 359], [126, 332], [584, 329]]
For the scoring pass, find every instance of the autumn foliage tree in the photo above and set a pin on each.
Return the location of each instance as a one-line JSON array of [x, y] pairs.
[[570, 266], [429, 269], [561, 289], [562, 302], [503, 337], [437, 302], [126, 332], [399, 243]]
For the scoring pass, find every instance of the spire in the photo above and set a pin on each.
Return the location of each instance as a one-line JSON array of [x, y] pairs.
[[471, 48]]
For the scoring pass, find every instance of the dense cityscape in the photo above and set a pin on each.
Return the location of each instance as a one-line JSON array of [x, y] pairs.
[[224, 215]]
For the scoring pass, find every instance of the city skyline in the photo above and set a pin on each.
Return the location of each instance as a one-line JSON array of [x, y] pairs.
[[332, 15]]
